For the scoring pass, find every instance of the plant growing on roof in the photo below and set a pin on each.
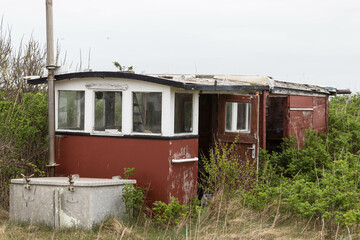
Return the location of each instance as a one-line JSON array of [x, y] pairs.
[[122, 67]]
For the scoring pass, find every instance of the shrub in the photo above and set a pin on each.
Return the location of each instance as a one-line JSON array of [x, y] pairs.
[[23, 139], [344, 124], [133, 196], [226, 172], [169, 214], [292, 161], [321, 180]]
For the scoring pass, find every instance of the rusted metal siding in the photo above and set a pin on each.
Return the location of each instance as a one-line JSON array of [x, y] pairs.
[[301, 101], [320, 114], [306, 112], [299, 122], [104, 157]]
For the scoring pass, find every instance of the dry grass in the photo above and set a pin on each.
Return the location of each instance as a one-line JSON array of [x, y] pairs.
[[220, 220]]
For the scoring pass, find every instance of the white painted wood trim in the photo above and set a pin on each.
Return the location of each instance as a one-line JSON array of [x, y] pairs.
[[195, 113], [89, 110], [167, 119], [171, 123], [127, 112], [301, 109], [107, 87], [185, 160]]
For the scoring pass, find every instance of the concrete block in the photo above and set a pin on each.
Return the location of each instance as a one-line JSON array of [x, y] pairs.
[[50, 201]]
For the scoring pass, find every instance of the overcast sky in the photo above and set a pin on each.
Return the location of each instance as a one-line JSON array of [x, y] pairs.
[[306, 41]]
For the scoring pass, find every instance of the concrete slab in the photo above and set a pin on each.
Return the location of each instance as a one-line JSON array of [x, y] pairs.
[[53, 202]]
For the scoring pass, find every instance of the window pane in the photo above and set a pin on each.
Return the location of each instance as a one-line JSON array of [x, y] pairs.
[[147, 112], [71, 110], [183, 112], [237, 117], [108, 107]]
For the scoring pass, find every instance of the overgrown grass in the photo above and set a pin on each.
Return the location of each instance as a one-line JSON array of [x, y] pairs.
[[219, 220]]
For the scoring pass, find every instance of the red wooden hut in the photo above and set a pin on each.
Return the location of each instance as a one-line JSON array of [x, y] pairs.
[[108, 121]]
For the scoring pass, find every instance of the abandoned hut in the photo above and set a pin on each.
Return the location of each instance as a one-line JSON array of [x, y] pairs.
[[159, 124]]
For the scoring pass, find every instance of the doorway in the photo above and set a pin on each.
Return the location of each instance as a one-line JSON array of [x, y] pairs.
[[275, 119]]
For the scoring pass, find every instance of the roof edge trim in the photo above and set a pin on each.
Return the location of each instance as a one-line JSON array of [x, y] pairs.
[[102, 74]]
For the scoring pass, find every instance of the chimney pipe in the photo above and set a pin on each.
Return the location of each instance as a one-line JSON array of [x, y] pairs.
[[51, 90]]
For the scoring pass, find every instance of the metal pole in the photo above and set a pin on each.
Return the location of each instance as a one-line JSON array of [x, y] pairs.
[[51, 91]]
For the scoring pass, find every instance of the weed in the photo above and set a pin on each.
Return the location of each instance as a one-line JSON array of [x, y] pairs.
[[169, 214], [133, 196], [225, 171]]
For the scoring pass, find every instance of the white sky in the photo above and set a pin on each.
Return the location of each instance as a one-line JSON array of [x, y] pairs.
[[306, 41]]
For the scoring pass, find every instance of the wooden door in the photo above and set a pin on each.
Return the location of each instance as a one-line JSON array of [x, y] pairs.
[[238, 117]]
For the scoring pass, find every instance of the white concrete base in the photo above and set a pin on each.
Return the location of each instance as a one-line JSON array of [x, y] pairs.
[[49, 201]]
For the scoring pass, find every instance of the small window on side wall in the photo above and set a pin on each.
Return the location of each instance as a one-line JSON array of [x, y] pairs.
[[147, 112], [71, 110], [108, 111], [183, 112], [237, 117]]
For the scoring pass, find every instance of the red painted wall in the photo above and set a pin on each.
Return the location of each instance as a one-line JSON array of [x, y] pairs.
[[300, 120], [320, 114], [104, 157], [182, 178]]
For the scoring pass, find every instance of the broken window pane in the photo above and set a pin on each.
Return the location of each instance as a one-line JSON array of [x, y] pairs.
[[147, 112], [108, 107], [183, 112], [237, 117], [71, 110]]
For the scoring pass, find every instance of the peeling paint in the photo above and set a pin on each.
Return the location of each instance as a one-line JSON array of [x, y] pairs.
[[68, 221], [182, 177], [299, 121]]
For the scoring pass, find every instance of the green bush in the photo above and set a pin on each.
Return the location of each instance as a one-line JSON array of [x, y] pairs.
[[169, 214], [334, 196], [321, 180], [344, 124], [23, 139], [226, 172], [292, 161], [133, 196]]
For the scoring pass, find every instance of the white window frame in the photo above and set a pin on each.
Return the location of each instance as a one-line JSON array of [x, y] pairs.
[[234, 117], [193, 113], [163, 118], [57, 101], [107, 133]]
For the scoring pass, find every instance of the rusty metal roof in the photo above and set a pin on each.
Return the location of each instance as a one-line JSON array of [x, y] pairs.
[[280, 86], [202, 82]]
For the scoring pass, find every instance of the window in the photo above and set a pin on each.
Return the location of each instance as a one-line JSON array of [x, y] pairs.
[[183, 112], [71, 110], [108, 107], [237, 117], [147, 112]]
